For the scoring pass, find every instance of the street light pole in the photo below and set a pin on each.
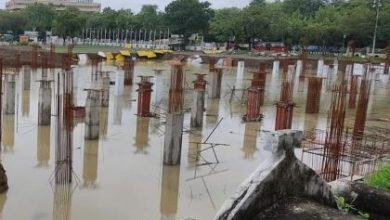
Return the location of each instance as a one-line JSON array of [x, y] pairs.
[[376, 5]]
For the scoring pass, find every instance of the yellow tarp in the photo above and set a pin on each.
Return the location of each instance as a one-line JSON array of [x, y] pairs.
[[213, 51], [148, 54], [109, 56], [119, 58], [162, 51], [125, 53]]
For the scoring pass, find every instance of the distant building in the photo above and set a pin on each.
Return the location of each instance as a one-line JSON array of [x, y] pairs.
[[82, 5]]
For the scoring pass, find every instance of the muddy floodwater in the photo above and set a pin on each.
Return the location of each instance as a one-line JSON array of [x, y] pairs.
[[121, 175]]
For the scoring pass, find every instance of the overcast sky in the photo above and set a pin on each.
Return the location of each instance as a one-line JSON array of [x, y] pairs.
[[135, 5]]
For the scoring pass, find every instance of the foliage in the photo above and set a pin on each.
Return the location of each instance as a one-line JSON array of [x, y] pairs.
[[186, 17], [350, 208], [149, 17], [381, 178], [40, 17], [319, 22], [67, 23], [227, 25]]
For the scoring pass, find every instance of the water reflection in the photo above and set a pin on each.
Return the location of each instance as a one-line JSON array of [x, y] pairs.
[[25, 103], [118, 107], [169, 192], [3, 199], [62, 201], [194, 137], [142, 135], [103, 122], [90, 168], [250, 139], [212, 112], [310, 122], [26, 77], [9, 133], [43, 146]]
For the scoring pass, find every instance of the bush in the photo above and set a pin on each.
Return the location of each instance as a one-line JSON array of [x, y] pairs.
[[381, 178]]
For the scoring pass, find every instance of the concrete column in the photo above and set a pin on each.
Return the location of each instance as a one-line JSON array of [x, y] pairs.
[[336, 67], [378, 73], [129, 71], [198, 101], [92, 115], [9, 94], [119, 83], [173, 138], [325, 71], [275, 68], [106, 91], [240, 74], [158, 86], [26, 77], [215, 83], [330, 77], [44, 103], [197, 108], [348, 70], [320, 67], [298, 71]]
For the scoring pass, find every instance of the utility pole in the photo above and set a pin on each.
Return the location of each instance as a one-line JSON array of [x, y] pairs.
[[376, 4]]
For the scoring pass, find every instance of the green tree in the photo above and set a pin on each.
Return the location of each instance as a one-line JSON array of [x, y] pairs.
[[325, 27], [226, 25], [13, 21], [149, 17], [125, 19], [68, 23], [306, 8], [359, 28], [40, 17], [187, 17], [257, 3]]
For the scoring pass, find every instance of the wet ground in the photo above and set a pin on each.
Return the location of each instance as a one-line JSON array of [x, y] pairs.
[[121, 176], [302, 209]]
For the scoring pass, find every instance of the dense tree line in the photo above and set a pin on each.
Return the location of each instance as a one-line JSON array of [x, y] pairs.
[[321, 22]]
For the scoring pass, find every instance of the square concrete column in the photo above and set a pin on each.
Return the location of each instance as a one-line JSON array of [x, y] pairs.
[[173, 138]]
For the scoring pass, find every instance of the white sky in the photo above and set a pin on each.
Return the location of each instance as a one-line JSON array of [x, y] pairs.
[[135, 5]]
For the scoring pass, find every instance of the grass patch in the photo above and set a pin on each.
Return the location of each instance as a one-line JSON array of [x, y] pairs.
[[381, 178], [88, 49]]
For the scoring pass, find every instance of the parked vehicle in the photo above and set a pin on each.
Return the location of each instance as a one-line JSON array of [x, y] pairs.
[[275, 47]]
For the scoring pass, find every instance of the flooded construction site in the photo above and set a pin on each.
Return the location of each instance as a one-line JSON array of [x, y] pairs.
[[159, 140]]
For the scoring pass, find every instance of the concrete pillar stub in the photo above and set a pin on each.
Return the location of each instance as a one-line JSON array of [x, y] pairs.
[[215, 83], [173, 138], [106, 91], [197, 108], [92, 115], [26, 77], [44, 103], [275, 68], [9, 94]]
